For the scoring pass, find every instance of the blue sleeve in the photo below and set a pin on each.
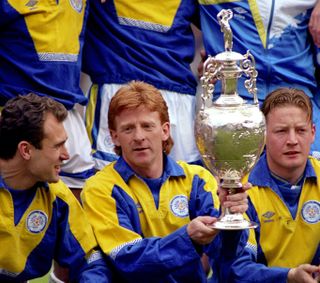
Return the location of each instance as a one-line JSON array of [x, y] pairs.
[[317, 57], [196, 18], [7, 14], [76, 247], [247, 262], [203, 198], [246, 268], [158, 257], [226, 246], [95, 270]]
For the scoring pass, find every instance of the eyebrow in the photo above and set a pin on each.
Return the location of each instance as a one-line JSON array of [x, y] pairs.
[[62, 142], [133, 124], [123, 126], [59, 143]]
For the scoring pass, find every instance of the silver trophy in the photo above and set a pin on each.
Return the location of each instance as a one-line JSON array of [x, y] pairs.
[[230, 133]]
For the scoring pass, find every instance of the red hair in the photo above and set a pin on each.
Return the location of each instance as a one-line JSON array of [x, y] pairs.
[[134, 95]]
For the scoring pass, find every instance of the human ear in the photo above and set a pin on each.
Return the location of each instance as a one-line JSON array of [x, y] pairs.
[[114, 137], [25, 150], [165, 131]]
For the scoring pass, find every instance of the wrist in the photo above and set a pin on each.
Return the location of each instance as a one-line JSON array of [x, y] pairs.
[[290, 275]]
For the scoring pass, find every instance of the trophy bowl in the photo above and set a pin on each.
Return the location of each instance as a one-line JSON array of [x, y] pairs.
[[230, 141], [230, 133]]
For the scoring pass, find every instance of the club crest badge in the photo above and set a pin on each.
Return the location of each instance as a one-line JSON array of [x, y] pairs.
[[77, 5], [311, 212], [179, 206], [36, 221]]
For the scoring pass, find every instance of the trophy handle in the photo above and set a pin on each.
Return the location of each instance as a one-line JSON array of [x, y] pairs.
[[248, 67], [211, 70]]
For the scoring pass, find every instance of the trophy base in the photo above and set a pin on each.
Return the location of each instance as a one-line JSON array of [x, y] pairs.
[[233, 222], [234, 225]]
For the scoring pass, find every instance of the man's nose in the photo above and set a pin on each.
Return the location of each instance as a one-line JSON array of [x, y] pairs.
[[292, 137], [139, 134], [64, 155]]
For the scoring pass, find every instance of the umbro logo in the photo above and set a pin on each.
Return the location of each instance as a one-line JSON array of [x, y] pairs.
[[32, 3], [268, 215]]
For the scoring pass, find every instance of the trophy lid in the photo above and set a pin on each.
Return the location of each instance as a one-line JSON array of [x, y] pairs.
[[229, 56], [227, 67]]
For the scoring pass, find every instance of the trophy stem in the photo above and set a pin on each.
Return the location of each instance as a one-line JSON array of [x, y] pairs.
[[229, 220]]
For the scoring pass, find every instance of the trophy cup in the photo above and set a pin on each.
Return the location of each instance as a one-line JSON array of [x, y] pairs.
[[230, 133]]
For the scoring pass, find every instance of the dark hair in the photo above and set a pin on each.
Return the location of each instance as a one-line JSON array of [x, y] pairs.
[[22, 119], [136, 94], [287, 96]]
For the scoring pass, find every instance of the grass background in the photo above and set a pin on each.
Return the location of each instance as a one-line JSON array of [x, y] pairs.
[[44, 279]]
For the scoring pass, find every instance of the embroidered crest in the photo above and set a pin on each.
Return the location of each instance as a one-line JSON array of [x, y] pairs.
[[77, 5], [311, 211], [36, 221], [179, 206]]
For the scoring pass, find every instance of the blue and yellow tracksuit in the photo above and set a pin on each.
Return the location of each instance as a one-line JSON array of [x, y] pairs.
[[144, 231], [40, 49], [43, 223], [286, 237], [149, 41]]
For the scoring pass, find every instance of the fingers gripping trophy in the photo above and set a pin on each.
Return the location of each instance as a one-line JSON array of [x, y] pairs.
[[230, 133]]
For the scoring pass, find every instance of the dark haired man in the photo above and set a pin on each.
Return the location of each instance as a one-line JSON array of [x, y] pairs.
[[41, 220]]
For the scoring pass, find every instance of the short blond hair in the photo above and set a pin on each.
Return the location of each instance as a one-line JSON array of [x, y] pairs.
[[287, 96]]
